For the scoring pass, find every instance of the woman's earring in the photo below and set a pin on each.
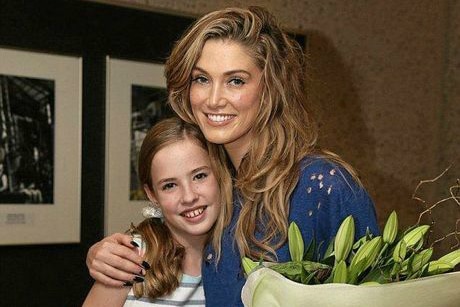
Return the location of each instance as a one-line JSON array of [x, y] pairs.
[[152, 210]]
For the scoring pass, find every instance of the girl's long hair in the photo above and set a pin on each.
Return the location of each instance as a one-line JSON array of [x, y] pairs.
[[285, 129], [163, 253]]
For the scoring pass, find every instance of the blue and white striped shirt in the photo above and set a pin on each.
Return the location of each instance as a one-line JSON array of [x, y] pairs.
[[189, 293]]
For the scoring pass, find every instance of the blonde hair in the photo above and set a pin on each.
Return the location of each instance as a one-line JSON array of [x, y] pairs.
[[164, 253], [285, 129]]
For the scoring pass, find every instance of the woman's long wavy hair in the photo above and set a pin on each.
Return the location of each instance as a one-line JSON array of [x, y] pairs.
[[163, 252], [285, 129]]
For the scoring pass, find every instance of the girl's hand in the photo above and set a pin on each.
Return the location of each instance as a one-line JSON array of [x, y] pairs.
[[115, 261]]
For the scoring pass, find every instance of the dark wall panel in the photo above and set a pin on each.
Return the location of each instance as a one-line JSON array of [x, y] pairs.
[[56, 275]]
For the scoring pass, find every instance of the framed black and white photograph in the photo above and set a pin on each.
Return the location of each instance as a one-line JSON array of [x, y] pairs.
[[40, 147], [136, 100]]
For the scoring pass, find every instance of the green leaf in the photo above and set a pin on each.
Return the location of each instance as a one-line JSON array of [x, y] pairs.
[[395, 270], [311, 250], [329, 279], [310, 278], [417, 274], [289, 268], [381, 275], [360, 242], [420, 260], [438, 267], [296, 245], [417, 247], [330, 249], [369, 234], [248, 265], [329, 260], [313, 266], [300, 271], [356, 269], [303, 275], [453, 258]]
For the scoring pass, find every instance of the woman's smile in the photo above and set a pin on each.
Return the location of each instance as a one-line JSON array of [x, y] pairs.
[[220, 118]]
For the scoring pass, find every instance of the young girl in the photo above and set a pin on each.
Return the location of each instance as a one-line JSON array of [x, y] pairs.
[[239, 76], [182, 184]]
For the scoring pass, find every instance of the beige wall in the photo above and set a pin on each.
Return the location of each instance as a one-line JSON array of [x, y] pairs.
[[386, 77]]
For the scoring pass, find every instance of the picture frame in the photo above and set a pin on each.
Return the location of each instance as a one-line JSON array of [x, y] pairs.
[[135, 100], [40, 147]]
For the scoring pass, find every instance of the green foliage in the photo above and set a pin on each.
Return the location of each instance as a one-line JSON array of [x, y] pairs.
[[369, 260]]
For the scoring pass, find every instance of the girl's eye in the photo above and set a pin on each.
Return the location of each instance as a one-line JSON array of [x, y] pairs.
[[199, 79], [237, 81], [168, 186], [201, 176]]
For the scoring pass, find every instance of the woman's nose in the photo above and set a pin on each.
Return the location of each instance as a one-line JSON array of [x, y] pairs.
[[216, 96]]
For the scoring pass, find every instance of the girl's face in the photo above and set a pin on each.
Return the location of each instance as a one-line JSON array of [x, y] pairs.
[[186, 190], [225, 94]]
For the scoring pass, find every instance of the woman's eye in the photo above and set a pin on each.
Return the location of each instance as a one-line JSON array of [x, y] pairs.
[[237, 81], [199, 79], [201, 176], [167, 186]]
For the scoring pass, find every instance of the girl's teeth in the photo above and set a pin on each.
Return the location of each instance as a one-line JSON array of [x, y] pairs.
[[219, 118], [194, 213]]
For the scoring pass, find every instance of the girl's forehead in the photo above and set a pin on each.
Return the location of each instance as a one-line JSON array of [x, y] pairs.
[[179, 159], [187, 144]]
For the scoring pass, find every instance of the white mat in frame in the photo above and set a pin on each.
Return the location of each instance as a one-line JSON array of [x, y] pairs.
[[120, 211], [59, 221]]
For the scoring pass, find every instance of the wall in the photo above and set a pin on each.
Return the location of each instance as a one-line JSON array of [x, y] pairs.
[[56, 274], [385, 78], [384, 75]]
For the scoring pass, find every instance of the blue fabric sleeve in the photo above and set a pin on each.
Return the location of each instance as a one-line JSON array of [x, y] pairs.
[[325, 195]]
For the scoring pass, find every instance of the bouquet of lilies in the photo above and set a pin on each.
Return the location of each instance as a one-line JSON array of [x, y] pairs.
[[394, 269]]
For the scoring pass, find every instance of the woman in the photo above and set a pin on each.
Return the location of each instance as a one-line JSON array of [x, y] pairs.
[[182, 184], [238, 76]]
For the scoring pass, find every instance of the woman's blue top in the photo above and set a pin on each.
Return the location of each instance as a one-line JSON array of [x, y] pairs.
[[324, 196]]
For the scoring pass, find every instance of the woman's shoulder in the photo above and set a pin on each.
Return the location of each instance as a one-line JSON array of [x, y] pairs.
[[327, 193], [327, 186], [320, 174]]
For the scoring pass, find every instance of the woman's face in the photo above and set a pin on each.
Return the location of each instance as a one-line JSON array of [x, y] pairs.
[[225, 94], [186, 190]]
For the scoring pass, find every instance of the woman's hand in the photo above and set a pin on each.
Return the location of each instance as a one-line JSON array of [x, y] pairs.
[[115, 261]]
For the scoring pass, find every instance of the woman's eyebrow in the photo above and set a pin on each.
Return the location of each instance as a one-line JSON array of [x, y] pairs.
[[237, 71], [227, 73]]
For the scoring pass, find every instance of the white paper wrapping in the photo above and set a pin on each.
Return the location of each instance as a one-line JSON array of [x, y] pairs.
[[267, 288]]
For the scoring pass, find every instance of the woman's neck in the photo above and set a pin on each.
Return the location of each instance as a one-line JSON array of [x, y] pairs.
[[236, 151]]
